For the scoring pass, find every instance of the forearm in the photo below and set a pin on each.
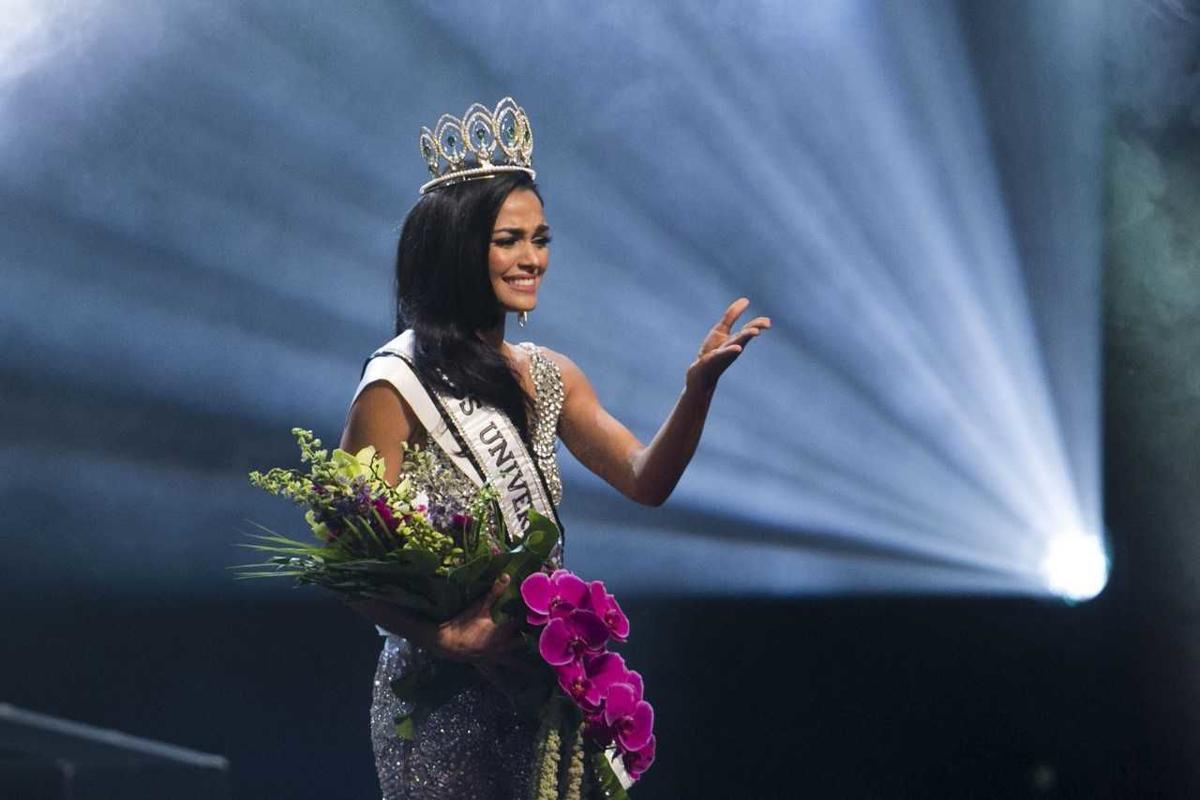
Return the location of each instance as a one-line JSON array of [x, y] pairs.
[[659, 466]]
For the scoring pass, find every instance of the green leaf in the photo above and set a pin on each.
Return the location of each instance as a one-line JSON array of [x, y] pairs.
[[404, 727], [268, 531], [394, 539], [470, 571], [610, 784], [542, 535], [365, 535]]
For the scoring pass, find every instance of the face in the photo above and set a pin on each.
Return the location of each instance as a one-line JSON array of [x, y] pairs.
[[519, 251]]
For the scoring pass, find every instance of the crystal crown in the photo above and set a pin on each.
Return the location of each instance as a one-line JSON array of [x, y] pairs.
[[480, 145]]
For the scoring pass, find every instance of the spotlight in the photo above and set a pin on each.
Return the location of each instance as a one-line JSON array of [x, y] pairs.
[[1075, 566]]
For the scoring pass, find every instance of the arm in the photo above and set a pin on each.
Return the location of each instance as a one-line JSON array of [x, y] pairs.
[[648, 474], [379, 416]]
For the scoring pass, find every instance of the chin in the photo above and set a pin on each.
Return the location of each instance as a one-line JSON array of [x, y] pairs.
[[521, 305]]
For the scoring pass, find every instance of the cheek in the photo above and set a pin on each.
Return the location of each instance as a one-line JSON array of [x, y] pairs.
[[498, 262]]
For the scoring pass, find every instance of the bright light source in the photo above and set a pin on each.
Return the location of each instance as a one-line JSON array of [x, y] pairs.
[[1075, 566]]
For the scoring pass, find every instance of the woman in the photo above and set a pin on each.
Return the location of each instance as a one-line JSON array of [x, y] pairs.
[[474, 248]]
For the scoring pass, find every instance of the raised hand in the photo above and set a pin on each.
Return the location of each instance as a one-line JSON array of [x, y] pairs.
[[722, 346]]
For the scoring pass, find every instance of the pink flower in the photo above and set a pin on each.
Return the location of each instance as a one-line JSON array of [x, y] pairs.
[[552, 595], [385, 513], [586, 680], [631, 719], [605, 605], [638, 761], [566, 638]]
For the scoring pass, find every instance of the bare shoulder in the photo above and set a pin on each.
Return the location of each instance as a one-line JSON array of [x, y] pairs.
[[379, 416]]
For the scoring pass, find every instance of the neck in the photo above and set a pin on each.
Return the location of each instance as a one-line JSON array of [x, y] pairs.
[[495, 335]]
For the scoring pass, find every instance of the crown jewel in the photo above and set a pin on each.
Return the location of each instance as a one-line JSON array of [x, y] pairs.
[[480, 145]]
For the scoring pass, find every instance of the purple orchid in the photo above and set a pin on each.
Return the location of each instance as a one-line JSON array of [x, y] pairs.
[[587, 680], [579, 686], [567, 638], [631, 719], [638, 761], [634, 679], [580, 618], [553, 595], [605, 605]]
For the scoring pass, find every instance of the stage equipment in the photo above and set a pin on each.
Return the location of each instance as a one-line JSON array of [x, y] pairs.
[[44, 758]]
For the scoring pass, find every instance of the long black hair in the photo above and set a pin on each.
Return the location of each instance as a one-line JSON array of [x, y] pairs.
[[444, 293]]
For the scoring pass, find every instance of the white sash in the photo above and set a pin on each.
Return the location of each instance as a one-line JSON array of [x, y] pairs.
[[480, 440]]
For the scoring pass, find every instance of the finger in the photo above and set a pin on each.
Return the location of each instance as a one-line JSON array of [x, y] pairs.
[[759, 322], [735, 310], [719, 359], [497, 589], [743, 336]]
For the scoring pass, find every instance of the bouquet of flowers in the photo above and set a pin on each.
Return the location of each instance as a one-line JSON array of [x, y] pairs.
[[391, 543]]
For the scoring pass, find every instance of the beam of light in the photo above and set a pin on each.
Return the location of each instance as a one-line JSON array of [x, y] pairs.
[[215, 235], [1075, 565]]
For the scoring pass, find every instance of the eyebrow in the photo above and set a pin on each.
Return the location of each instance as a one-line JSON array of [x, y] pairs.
[[520, 231]]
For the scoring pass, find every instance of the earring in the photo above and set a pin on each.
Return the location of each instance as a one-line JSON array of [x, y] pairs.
[[522, 318]]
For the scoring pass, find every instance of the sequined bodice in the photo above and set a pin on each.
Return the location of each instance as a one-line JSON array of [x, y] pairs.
[[448, 483], [473, 746]]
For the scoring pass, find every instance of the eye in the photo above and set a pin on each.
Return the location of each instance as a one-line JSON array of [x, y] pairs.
[[504, 242], [542, 241]]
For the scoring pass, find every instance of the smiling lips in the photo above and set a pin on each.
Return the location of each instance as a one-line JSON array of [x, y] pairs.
[[522, 284]]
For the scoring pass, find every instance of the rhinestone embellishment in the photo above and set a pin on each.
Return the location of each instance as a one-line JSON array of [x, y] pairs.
[[547, 381]]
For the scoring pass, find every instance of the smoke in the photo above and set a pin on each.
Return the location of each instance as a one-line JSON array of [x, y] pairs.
[[1154, 195], [1154, 48], [1152, 298]]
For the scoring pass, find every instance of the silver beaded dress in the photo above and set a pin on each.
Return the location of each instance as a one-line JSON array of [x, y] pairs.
[[474, 746]]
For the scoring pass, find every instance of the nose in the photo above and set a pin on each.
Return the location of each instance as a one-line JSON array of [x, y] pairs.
[[532, 258]]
